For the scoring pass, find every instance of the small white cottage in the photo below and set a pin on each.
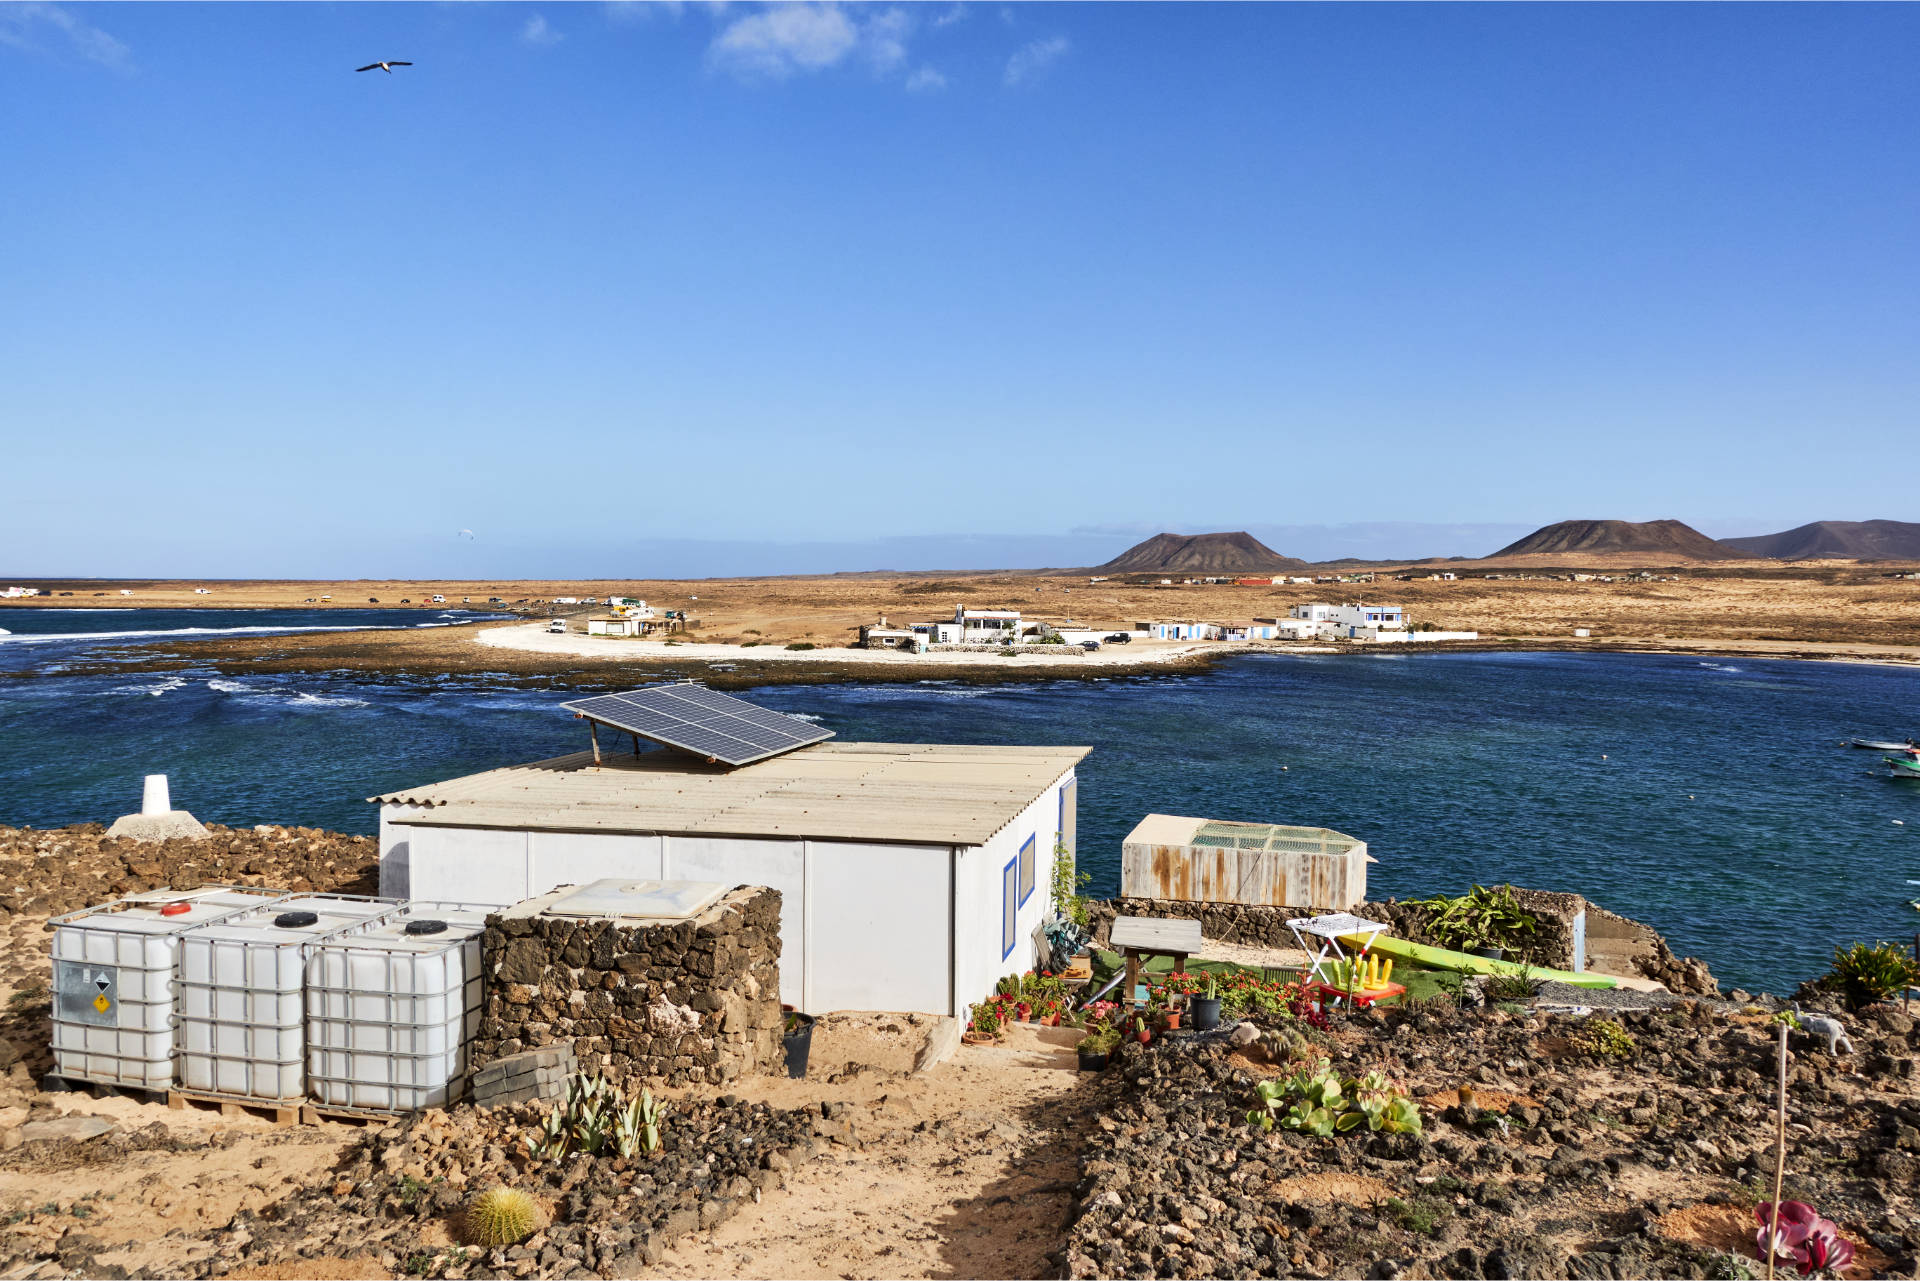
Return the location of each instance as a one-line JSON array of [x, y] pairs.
[[913, 875]]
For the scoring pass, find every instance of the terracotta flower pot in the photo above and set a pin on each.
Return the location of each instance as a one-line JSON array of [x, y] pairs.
[[1173, 1019]]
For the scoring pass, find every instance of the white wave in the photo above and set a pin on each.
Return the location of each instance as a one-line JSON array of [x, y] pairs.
[[804, 716], [221, 686], [190, 631], [324, 700], [166, 686]]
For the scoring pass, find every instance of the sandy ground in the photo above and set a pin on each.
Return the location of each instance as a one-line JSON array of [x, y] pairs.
[[1814, 610], [962, 1171]]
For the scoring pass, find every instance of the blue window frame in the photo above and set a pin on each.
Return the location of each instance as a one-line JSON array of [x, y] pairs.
[[1027, 852], [1009, 905]]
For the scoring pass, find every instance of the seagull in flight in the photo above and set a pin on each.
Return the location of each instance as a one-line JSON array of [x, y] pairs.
[[387, 66]]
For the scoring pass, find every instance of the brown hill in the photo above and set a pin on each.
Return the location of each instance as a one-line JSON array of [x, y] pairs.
[[1237, 553], [1658, 539], [1837, 540]]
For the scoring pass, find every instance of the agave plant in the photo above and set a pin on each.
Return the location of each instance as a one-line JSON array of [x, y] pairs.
[[1797, 1234], [594, 1116], [637, 1125]]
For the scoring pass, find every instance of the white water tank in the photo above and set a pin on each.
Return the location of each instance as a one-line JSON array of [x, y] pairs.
[[113, 981], [392, 1009], [242, 1000]]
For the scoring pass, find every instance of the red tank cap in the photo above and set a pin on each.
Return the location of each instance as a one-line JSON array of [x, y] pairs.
[[175, 909]]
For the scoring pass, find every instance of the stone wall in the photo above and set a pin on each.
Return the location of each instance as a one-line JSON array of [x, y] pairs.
[[682, 1001], [1615, 944]]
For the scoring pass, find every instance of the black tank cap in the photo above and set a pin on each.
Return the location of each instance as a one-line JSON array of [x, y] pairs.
[[294, 920], [425, 926]]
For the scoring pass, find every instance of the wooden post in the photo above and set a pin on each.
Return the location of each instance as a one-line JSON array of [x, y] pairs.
[[636, 747], [1779, 1160], [593, 732], [1133, 975]]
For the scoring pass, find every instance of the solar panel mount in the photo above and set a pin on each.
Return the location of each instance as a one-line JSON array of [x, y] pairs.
[[691, 718]]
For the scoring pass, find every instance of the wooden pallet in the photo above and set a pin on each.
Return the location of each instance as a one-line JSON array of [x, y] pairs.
[[280, 1112]]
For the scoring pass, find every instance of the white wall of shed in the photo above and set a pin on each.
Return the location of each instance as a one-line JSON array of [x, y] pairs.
[[863, 926], [978, 961]]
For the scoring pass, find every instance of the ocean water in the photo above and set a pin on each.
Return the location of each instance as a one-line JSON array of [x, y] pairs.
[[1709, 798]]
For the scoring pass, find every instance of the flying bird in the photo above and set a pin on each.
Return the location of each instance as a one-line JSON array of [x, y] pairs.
[[383, 66]]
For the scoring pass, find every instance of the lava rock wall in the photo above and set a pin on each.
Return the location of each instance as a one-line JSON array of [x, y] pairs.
[[683, 1001]]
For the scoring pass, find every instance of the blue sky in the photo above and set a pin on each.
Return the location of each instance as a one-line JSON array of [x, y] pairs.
[[635, 290]]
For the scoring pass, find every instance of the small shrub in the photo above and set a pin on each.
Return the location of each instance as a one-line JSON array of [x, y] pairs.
[[1509, 987], [27, 997], [1863, 973], [1482, 917], [800, 645], [502, 1216], [1422, 1214], [1604, 1039], [1512, 1007]]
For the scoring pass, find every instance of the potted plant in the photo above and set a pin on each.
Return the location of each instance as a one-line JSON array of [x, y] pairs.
[[1206, 1009], [1095, 1048], [796, 1040], [983, 1028], [1140, 1032]]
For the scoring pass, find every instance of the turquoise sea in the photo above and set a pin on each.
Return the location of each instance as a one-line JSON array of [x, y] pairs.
[[1710, 798]]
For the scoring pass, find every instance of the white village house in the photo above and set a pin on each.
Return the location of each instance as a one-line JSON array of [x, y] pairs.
[[912, 874]]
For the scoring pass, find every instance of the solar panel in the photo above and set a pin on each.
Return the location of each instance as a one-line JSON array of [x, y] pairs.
[[696, 719]]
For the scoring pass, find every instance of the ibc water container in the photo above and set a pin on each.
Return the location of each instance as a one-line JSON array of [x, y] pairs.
[[114, 969], [242, 1004], [392, 1009]]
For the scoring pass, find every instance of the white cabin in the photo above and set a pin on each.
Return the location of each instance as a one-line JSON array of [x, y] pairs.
[[913, 875]]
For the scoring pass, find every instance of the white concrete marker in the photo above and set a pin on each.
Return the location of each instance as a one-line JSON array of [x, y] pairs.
[[155, 799]]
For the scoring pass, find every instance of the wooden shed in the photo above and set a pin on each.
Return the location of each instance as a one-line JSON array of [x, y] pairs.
[[1199, 860]]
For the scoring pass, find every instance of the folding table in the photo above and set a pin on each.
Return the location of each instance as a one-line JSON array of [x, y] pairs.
[[1329, 929]]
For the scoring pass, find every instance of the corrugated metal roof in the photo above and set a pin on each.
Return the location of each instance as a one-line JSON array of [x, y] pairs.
[[914, 792]]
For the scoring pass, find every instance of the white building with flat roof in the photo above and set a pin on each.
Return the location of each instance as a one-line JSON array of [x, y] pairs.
[[912, 875]]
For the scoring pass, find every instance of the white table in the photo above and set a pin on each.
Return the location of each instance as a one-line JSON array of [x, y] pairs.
[[1329, 929]]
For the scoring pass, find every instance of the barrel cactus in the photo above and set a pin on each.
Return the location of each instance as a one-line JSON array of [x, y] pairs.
[[503, 1216]]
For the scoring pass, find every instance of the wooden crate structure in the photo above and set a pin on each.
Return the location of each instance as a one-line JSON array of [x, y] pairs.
[[1197, 860]]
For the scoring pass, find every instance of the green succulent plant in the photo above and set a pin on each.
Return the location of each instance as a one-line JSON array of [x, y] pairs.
[[1316, 1100]]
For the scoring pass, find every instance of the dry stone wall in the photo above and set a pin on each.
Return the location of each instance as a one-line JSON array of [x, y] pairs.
[[683, 1001]]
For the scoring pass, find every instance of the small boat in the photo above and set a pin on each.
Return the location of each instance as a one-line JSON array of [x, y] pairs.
[[1904, 766], [1874, 745]]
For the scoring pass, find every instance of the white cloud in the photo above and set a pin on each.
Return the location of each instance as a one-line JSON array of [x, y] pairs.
[[640, 10], [951, 16], [1031, 60], [538, 33], [926, 80], [19, 24], [884, 38], [779, 40]]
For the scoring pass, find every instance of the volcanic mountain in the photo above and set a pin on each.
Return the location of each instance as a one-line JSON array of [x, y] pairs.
[[1837, 540], [1661, 539], [1239, 553]]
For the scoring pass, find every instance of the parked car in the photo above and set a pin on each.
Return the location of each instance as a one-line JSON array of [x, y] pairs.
[[1089, 644], [557, 626], [1119, 638]]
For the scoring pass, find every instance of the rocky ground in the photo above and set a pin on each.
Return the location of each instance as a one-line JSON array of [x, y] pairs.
[[1539, 1156], [1558, 1161]]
